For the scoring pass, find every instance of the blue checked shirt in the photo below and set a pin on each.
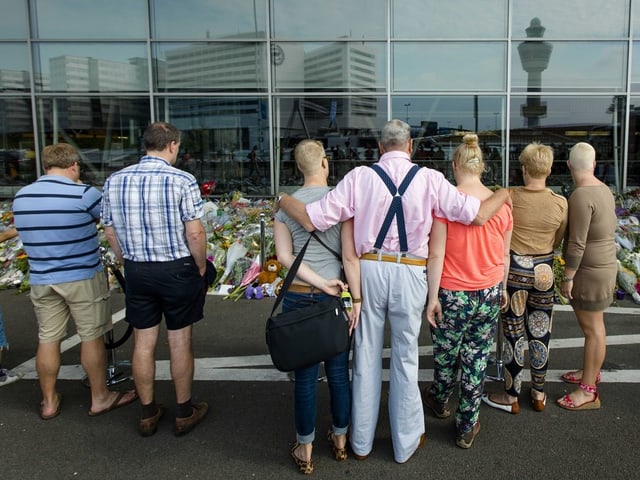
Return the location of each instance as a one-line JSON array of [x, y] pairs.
[[147, 204]]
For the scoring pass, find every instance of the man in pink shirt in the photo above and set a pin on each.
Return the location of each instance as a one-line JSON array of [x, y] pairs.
[[392, 205]]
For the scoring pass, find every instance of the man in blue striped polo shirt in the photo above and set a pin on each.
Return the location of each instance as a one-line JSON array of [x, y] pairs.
[[151, 212], [56, 219]]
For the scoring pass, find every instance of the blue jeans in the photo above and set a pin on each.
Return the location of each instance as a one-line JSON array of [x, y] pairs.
[[306, 383], [3, 338]]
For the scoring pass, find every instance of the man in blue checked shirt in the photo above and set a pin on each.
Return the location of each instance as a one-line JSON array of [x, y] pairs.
[[151, 212]]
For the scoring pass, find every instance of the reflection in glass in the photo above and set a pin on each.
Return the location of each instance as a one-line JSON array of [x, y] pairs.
[[347, 126], [194, 19], [113, 19], [450, 19], [568, 120], [210, 66], [337, 66], [577, 66], [17, 155], [91, 67], [329, 19], [14, 70], [218, 138], [633, 166], [534, 56], [439, 122], [107, 131], [13, 21], [577, 19], [635, 68], [449, 66]]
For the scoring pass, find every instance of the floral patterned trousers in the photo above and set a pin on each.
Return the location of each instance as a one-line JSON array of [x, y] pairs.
[[463, 342]]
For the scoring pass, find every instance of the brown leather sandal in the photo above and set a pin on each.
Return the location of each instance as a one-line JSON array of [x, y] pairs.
[[340, 454], [305, 467]]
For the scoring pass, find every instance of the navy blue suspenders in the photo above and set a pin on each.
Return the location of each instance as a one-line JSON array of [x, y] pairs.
[[395, 210]]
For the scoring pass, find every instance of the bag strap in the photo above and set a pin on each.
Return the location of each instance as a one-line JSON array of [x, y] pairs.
[[291, 274], [395, 210]]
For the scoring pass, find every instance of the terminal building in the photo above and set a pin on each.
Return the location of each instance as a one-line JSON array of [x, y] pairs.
[[264, 74]]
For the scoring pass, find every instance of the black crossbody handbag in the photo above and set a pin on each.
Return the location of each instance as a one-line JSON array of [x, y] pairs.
[[307, 335]]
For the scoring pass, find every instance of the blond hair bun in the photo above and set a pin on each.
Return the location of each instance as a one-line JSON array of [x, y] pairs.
[[470, 140]]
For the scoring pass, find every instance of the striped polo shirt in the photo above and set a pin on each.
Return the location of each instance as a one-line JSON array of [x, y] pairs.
[[56, 219], [147, 204]]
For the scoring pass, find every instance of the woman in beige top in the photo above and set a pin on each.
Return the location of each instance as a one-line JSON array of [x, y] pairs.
[[590, 270], [539, 223]]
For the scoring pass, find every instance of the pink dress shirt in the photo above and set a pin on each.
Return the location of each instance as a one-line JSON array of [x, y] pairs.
[[362, 194]]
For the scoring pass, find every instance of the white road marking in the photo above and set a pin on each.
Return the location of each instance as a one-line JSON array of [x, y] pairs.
[[247, 369]]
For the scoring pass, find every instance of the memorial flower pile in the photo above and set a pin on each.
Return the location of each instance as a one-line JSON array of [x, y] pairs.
[[234, 239], [240, 232]]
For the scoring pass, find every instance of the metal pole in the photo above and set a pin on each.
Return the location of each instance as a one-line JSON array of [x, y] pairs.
[[262, 239]]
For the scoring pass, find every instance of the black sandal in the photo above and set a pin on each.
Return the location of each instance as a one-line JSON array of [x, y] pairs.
[[340, 454], [305, 467]]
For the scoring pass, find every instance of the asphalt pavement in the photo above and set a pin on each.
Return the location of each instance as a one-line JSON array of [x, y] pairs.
[[249, 430]]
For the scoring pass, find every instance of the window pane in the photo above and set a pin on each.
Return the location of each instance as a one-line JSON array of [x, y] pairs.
[[14, 73], [572, 66], [347, 126], [17, 155], [439, 122], [342, 66], [449, 66], [106, 131], [210, 66], [194, 19], [55, 19], [91, 67], [13, 21], [635, 68], [450, 19], [329, 19], [572, 19], [633, 168], [217, 136], [562, 122]]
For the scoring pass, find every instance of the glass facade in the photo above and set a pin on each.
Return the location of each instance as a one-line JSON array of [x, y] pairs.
[[256, 76]]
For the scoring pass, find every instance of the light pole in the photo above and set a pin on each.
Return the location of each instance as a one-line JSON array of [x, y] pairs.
[[407, 105]]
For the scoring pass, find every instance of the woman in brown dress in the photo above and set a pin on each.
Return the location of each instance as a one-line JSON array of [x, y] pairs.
[[590, 270]]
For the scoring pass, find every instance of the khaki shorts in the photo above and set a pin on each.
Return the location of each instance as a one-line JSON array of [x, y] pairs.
[[86, 301]]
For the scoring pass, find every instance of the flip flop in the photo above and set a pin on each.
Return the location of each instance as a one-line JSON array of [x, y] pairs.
[[116, 403], [54, 414]]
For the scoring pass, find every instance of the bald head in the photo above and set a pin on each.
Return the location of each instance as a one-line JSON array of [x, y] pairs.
[[582, 156]]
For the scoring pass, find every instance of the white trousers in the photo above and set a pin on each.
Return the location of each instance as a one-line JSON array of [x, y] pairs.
[[399, 292]]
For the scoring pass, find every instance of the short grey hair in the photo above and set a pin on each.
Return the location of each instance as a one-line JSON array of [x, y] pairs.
[[395, 134]]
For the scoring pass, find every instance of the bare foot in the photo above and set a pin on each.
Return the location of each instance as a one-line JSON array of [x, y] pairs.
[[503, 398], [50, 409], [536, 395], [577, 398], [303, 451], [112, 401], [339, 440]]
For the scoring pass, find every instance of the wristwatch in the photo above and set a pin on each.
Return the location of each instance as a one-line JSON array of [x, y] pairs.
[[567, 279]]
